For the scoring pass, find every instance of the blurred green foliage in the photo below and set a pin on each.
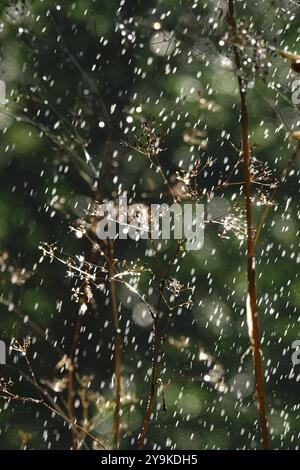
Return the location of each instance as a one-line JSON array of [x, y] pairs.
[[62, 66]]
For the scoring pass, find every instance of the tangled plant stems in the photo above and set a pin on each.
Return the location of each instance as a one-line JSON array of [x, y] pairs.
[[251, 175], [251, 301], [155, 349], [7, 395], [252, 239], [97, 269], [251, 298]]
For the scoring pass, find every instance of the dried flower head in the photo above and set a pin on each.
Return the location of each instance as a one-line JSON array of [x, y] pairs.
[[5, 384], [148, 141], [21, 347]]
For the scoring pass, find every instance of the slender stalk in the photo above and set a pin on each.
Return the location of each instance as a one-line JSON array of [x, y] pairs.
[[70, 390], [74, 424], [118, 344], [252, 298], [71, 371], [70, 404], [9, 396], [53, 406], [151, 396], [154, 356]]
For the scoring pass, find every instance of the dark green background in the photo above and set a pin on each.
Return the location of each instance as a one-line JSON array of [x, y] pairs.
[[40, 75]]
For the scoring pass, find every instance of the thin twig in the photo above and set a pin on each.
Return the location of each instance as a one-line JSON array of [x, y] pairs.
[[154, 356], [70, 390], [255, 337], [10, 396], [42, 392], [118, 344]]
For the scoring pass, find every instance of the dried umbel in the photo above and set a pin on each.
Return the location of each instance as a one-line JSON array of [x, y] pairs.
[[261, 175], [187, 180], [255, 53], [234, 222], [21, 347], [147, 141], [5, 384]]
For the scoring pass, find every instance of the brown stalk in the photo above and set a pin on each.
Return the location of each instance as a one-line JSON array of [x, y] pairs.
[[71, 369], [154, 355], [70, 390], [151, 396], [118, 344], [255, 339]]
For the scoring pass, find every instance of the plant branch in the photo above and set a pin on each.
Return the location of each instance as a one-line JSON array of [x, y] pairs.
[[251, 274], [154, 361], [70, 390], [10, 396], [118, 344]]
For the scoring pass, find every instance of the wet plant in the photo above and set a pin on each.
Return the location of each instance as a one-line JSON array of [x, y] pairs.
[[134, 343]]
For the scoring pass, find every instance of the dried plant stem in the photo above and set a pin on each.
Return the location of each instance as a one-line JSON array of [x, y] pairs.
[[252, 300], [70, 390], [70, 403], [71, 371], [118, 344], [32, 374], [151, 396], [10, 396], [54, 407], [154, 356], [74, 425]]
